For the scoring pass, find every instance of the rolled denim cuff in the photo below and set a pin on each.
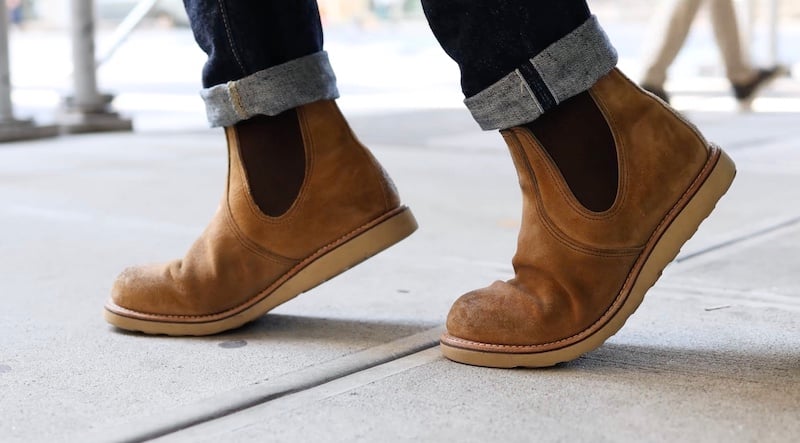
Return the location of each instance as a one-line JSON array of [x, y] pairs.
[[272, 91], [565, 69]]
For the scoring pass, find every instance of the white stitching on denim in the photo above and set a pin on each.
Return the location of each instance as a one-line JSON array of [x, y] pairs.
[[230, 36]]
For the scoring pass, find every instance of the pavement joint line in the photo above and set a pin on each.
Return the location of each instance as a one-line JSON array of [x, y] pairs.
[[739, 239], [219, 429], [167, 422]]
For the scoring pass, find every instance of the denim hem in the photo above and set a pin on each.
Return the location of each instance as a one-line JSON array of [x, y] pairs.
[[565, 69], [271, 91]]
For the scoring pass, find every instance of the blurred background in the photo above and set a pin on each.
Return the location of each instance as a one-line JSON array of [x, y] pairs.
[[152, 66]]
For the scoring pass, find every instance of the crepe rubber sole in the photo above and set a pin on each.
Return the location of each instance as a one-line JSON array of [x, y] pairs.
[[678, 226], [331, 261]]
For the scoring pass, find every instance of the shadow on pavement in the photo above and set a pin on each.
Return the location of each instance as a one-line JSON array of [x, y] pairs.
[[294, 328], [768, 365]]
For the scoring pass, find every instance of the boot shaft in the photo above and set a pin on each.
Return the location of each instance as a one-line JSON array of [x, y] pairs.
[[657, 154], [342, 184]]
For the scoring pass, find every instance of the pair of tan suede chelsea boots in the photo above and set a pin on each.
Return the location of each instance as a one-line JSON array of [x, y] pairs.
[[613, 183]]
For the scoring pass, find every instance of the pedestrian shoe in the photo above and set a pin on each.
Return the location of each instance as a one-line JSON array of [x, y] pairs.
[[304, 202], [591, 243], [746, 92], [657, 91]]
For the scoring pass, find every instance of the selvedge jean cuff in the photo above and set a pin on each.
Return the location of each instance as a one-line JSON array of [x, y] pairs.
[[271, 91], [565, 69]]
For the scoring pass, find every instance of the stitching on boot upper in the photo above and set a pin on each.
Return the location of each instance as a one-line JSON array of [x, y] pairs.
[[290, 214], [557, 233], [621, 297], [276, 284], [567, 194]]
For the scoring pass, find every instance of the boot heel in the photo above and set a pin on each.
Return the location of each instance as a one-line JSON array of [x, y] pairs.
[[354, 251], [686, 223]]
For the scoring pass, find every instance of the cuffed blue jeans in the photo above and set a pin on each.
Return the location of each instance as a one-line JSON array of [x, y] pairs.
[[518, 58]]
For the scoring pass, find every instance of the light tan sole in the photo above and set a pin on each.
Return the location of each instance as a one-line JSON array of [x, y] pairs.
[[325, 267], [666, 248]]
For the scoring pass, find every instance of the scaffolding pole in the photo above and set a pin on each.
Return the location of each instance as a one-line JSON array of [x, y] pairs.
[[12, 128], [87, 110], [126, 27]]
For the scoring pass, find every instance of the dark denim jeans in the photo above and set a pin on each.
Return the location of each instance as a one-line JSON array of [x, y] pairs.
[[242, 37], [518, 58]]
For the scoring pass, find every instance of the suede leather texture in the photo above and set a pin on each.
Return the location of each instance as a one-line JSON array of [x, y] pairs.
[[243, 251], [571, 263]]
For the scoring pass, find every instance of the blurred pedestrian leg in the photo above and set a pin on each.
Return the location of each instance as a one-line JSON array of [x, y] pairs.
[[677, 17]]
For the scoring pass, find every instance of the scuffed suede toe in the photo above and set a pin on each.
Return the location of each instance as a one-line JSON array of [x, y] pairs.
[[149, 289], [498, 314]]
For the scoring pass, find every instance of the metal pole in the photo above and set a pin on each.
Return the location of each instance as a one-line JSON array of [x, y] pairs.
[[85, 79], [87, 110], [12, 129], [6, 110]]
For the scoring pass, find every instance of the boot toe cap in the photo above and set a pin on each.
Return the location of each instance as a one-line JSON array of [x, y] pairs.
[[498, 314], [142, 289]]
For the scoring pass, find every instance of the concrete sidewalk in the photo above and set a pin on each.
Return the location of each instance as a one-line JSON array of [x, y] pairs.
[[712, 355]]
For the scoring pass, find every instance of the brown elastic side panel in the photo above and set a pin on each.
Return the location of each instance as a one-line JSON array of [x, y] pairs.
[[577, 137], [274, 159]]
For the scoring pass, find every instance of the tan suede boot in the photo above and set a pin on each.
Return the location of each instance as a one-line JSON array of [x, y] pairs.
[[341, 209], [580, 272]]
